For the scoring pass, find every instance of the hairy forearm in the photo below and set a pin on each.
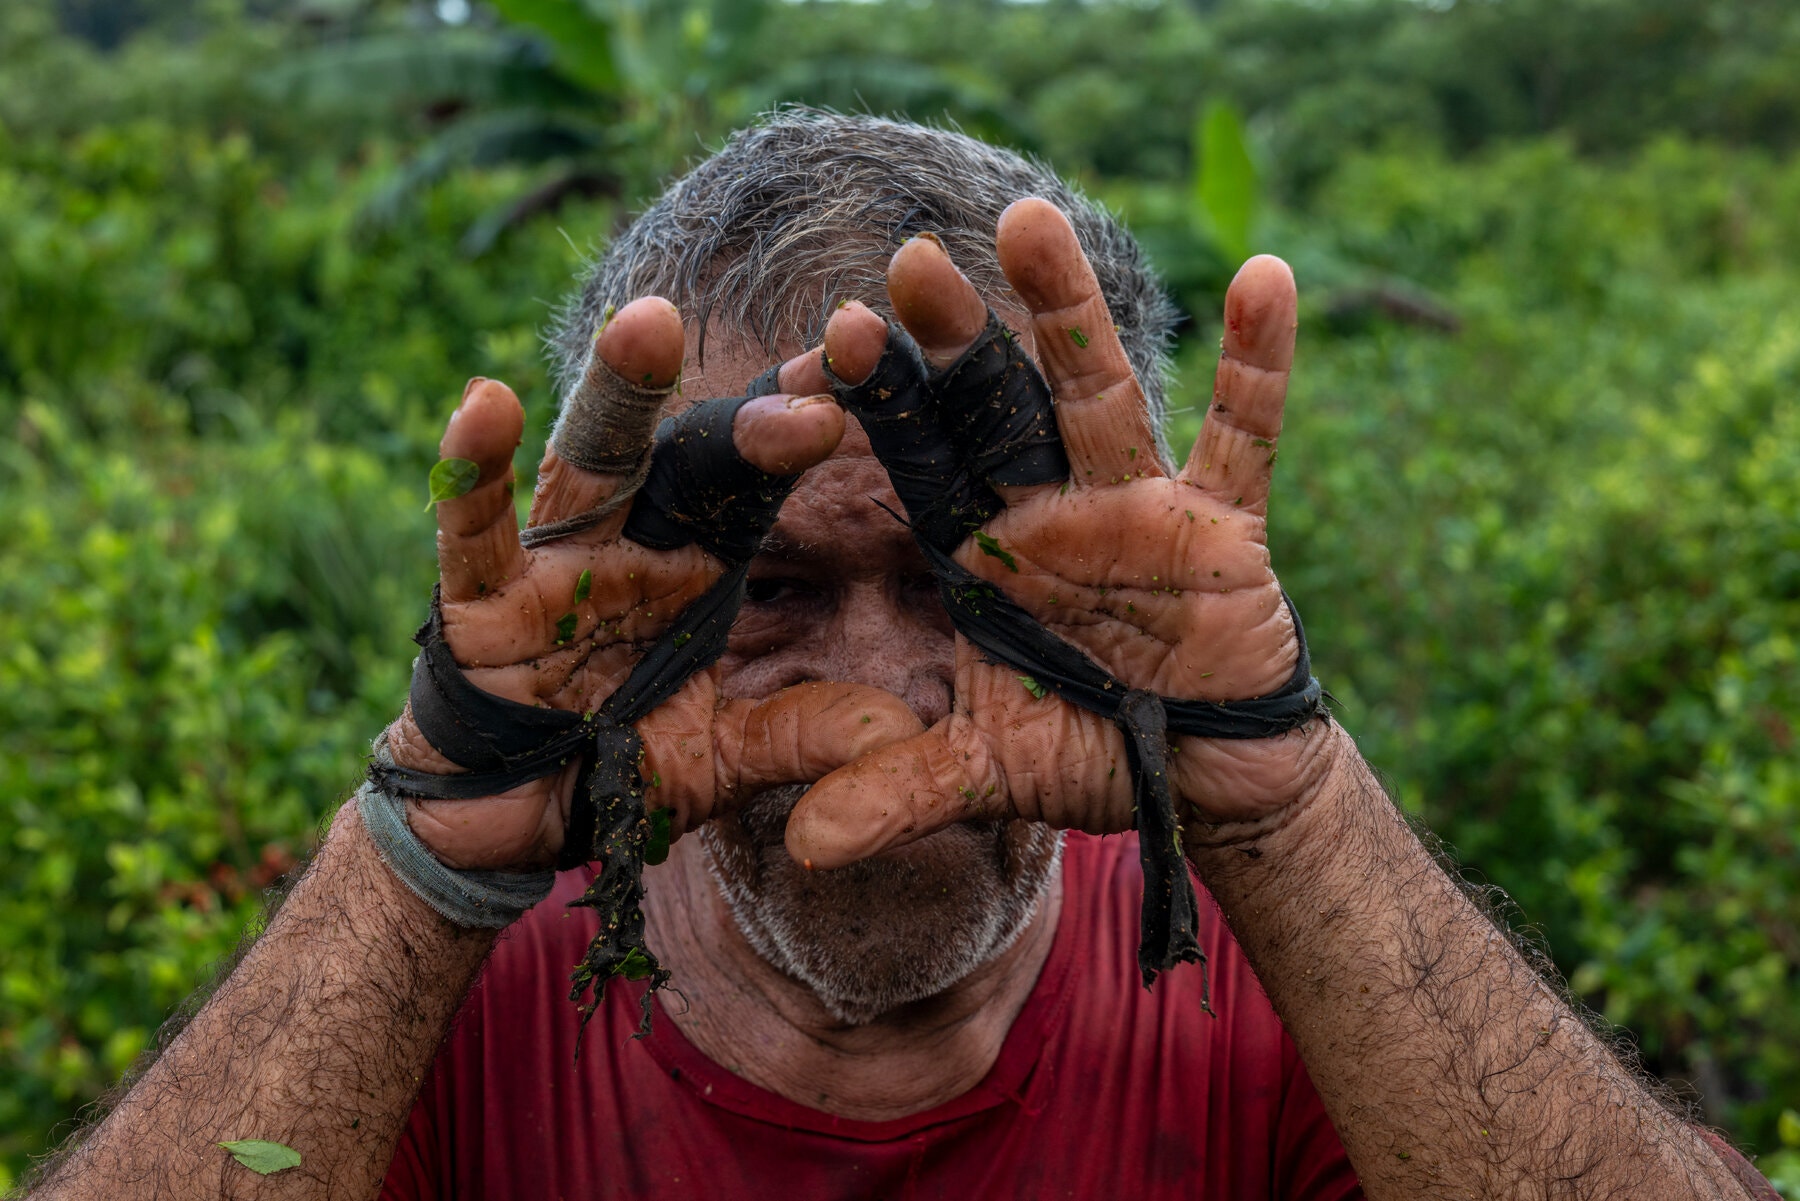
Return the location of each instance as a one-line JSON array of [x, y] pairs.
[[318, 1040], [1449, 1066]]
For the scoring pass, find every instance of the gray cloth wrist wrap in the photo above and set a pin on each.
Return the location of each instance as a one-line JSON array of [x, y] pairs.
[[475, 900]]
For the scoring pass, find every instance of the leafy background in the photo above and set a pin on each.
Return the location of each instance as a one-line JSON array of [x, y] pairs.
[[1540, 501]]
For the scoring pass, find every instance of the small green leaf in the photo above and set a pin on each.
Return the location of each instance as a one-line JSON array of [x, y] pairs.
[[635, 965], [682, 639], [1079, 338], [656, 849], [1131, 452], [991, 546], [263, 1158], [1787, 1126], [583, 586], [565, 628], [451, 478], [1226, 189], [1033, 687]]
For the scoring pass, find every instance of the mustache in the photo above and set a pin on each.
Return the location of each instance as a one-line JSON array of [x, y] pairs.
[[764, 817]]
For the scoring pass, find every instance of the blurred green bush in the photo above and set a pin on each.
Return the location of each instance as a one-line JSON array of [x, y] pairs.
[[1550, 562]]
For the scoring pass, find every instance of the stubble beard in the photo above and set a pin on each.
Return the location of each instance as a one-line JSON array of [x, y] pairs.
[[883, 933]]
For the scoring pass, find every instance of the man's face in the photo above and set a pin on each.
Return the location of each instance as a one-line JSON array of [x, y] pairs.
[[840, 592]]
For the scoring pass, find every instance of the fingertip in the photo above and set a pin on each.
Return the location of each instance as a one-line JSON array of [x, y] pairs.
[[1041, 256], [783, 435], [643, 342], [1260, 308], [820, 841], [936, 303], [804, 374], [854, 340], [485, 428]]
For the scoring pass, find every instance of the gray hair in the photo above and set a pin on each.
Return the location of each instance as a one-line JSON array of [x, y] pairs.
[[804, 209]]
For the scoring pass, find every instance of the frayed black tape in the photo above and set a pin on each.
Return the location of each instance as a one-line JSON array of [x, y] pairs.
[[943, 501], [997, 407], [701, 490], [767, 383]]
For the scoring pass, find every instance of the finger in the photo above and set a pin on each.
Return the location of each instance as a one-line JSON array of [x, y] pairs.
[[1235, 455], [1099, 405], [855, 338], [984, 389], [804, 732], [802, 375], [880, 379], [701, 761], [936, 303], [478, 532], [722, 468], [784, 435], [608, 418]]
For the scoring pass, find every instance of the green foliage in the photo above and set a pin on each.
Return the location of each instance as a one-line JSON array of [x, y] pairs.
[[1554, 569], [1225, 186], [219, 402]]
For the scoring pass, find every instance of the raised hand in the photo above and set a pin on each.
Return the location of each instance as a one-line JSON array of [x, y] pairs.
[[561, 623], [1162, 579]]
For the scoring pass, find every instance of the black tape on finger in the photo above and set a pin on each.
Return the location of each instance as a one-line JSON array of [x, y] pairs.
[[945, 504], [699, 489], [998, 408]]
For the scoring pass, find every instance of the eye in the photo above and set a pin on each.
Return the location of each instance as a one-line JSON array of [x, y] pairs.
[[923, 584], [766, 590]]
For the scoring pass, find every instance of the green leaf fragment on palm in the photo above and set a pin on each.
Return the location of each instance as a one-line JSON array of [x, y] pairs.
[[565, 628], [451, 478], [991, 546], [583, 586], [263, 1157], [1079, 338], [1033, 687], [656, 847]]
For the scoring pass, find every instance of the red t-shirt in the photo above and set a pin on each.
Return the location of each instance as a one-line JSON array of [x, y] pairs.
[[1101, 1089]]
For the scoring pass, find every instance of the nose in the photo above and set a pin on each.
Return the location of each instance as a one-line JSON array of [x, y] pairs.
[[878, 638]]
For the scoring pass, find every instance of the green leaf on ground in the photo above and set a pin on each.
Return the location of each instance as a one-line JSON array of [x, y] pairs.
[[991, 546], [451, 478], [262, 1157]]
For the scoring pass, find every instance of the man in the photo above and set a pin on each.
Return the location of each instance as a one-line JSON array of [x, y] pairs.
[[905, 982]]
